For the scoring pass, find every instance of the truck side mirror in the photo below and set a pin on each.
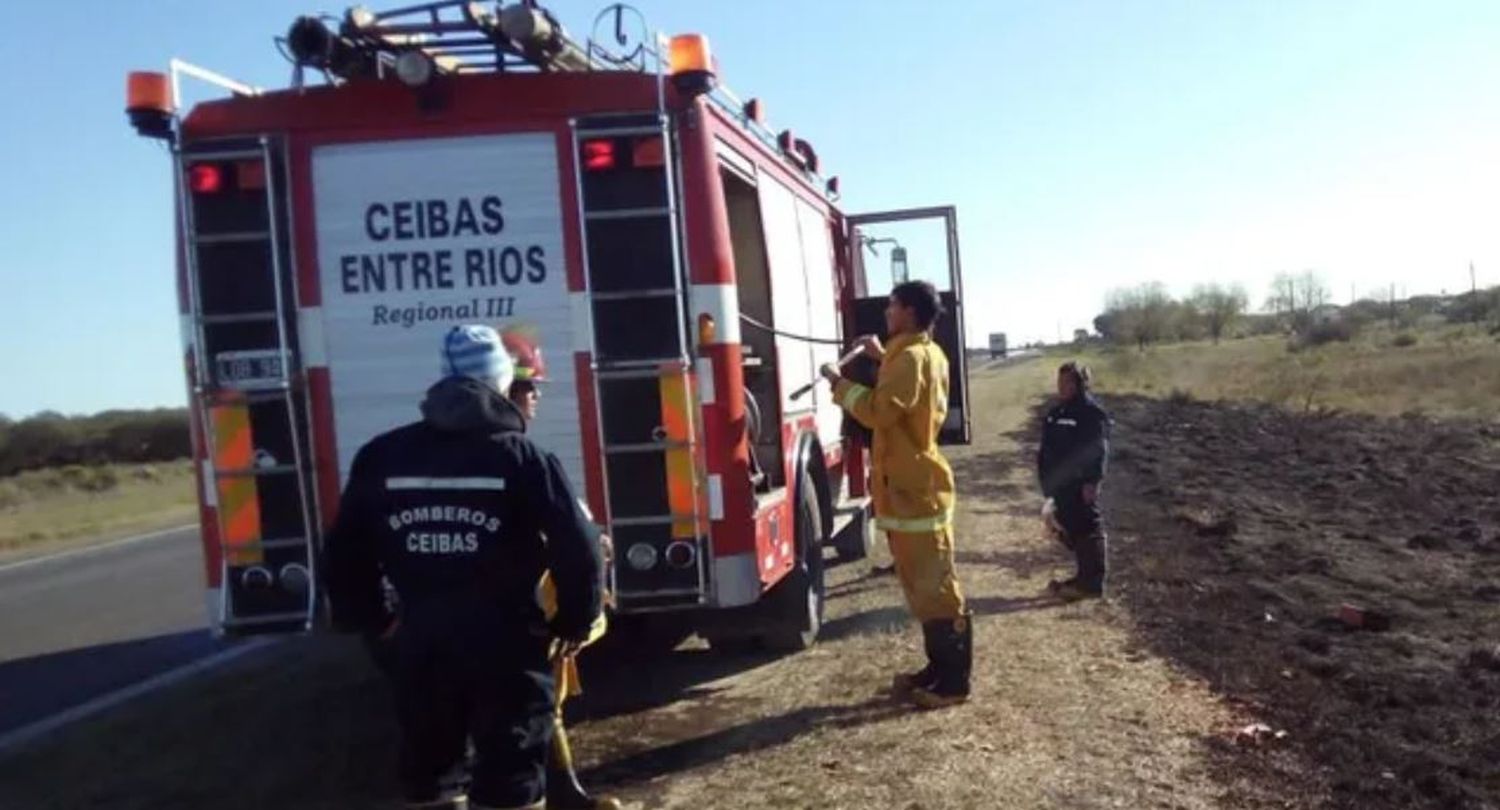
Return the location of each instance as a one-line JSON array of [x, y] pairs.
[[899, 272]]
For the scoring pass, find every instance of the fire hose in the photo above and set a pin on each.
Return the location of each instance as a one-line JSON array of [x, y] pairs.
[[848, 357]]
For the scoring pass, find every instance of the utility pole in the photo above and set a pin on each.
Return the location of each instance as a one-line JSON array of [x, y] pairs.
[[1473, 293], [1393, 306]]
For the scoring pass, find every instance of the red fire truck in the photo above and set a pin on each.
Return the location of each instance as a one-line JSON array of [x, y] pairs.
[[685, 268]]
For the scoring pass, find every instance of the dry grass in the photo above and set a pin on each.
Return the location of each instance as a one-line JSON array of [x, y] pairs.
[[1449, 372], [1067, 713], [46, 508]]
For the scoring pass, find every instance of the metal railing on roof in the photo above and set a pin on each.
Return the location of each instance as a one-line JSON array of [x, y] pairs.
[[461, 37]]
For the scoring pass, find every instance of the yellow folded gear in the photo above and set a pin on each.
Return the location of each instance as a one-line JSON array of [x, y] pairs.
[[566, 679], [546, 598], [565, 669]]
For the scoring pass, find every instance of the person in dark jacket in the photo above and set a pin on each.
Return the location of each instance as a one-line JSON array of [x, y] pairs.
[[1071, 465], [564, 790], [462, 513]]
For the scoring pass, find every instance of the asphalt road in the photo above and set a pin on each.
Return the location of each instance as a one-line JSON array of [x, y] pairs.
[[83, 625]]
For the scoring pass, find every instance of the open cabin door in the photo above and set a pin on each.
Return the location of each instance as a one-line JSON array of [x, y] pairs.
[[918, 244]]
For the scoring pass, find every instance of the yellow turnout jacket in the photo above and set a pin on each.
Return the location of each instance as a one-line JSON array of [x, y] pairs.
[[912, 483]]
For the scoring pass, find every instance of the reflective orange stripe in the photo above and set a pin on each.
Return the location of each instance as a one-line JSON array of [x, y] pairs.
[[676, 421], [239, 502]]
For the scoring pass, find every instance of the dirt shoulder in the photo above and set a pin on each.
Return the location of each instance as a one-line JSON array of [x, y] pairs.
[[1071, 710], [1068, 710], [1239, 533], [47, 511]]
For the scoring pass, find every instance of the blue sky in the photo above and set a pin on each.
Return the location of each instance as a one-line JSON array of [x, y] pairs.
[[1087, 145]]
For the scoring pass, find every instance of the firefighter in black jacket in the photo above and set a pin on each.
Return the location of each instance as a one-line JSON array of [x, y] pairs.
[[462, 513], [1071, 465]]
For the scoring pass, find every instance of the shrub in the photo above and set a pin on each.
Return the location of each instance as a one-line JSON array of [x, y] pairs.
[[1321, 333], [53, 440], [89, 479], [100, 479], [1404, 340]]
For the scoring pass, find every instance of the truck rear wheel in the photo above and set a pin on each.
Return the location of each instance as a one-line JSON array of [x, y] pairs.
[[797, 601]]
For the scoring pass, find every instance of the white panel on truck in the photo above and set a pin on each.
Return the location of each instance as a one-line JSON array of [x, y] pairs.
[[823, 313], [417, 236], [778, 211]]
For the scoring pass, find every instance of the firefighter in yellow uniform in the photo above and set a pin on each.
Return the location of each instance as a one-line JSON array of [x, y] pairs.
[[913, 488], [563, 789]]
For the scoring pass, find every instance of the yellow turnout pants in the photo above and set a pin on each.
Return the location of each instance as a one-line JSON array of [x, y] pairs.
[[924, 564]]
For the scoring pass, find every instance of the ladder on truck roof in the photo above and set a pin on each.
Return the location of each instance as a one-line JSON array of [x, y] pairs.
[[247, 391]]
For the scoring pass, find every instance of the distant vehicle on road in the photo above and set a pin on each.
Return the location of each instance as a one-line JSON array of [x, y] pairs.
[[997, 345]]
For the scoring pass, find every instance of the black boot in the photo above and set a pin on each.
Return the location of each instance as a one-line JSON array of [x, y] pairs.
[[905, 682], [563, 790], [954, 664]]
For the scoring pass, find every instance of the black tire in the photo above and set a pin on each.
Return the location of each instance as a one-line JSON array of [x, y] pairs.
[[858, 538], [797, 601]]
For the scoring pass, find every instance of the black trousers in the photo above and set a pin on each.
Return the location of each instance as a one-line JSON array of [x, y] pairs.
[[1083, 534], [483, 682]]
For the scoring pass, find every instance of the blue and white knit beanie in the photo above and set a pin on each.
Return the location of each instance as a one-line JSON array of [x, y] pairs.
[[476, 351]]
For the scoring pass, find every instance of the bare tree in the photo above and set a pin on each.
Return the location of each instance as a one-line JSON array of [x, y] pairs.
[[1219, 306], [1311, 292], [1142, 315], [1295, 299], [1283, 297]]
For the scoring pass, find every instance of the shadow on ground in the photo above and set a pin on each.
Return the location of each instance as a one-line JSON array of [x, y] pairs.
[[307, 724], [755, 735], [986, 478], [36, 688]]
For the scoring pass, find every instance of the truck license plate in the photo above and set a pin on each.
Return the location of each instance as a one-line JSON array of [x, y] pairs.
[[250, 370]]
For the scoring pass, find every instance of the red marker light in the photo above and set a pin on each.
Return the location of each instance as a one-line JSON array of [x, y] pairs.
[[598, 155], [250, 175], [205, 178], [648, 153]]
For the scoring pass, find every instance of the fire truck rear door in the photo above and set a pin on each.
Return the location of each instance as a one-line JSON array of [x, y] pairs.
[[889, 247]]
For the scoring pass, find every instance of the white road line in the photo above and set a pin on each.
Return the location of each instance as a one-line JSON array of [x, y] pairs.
[[34, 731], [79, 552]]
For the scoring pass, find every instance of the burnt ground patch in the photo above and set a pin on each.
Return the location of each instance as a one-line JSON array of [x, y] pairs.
[[1239, 533]]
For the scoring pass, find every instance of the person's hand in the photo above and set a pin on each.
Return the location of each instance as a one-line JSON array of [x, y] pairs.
[[390, 630], [871, 346], [607, 549], [565, 648], [1090, 493], [831, 373]]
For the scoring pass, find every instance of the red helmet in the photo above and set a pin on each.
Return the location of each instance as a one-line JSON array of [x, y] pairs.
[[527, 356]]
